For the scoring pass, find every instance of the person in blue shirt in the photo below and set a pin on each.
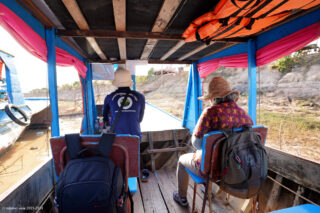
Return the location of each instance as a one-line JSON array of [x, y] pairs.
[[133, 110]]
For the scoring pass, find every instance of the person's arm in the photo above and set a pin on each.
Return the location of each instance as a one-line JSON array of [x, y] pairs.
[[143, 103], [105, 112], [203, 127]]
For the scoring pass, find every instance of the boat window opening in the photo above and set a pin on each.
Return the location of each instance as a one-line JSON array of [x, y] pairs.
[[70, 100], [165, 87], [289, 103]]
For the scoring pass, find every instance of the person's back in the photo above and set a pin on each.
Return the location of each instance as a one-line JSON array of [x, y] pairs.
[[133, 110], [132, 113]]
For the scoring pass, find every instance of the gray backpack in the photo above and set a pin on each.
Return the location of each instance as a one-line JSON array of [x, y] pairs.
[[244, 163]]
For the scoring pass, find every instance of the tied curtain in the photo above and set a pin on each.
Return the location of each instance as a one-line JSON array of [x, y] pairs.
[[34, 43], [267, 54]]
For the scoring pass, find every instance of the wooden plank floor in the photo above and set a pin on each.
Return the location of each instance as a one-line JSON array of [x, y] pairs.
[[156, 195]]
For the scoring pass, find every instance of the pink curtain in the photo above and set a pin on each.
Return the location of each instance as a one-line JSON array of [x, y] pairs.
[[267, 54], [34, 43]]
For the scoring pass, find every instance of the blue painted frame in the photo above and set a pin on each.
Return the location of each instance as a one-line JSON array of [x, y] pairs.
[[193, 106], [52, 79], [252, 80], [134, 82], [90, 101]]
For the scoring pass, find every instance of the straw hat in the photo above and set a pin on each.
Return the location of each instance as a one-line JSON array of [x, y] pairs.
[[219, 88], [122, 78]]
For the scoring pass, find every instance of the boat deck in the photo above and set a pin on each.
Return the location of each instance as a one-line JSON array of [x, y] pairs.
[[157, 120], [156, 196]]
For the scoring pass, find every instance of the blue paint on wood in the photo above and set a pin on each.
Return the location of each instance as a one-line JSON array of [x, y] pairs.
[[85, 110], [234, 50], [134, 82], [252, 80], [90, 100], [288, 28], [187, 102], [52, 79], [60, 43], [193, 106]]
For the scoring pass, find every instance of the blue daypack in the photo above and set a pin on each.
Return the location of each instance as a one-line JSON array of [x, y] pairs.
[[91, 184]]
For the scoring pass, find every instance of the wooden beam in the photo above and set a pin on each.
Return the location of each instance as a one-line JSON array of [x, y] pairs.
[[150, 61], [119, 11], [299, 170], [74, 10], [166, 12], [172, 50], [195, 51], [118, 34]]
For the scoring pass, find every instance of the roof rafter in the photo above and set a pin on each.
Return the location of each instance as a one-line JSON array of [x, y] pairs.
[[150, 61], [119, 11], [165, 14], [74, 10], [173, 50], [118, 34]]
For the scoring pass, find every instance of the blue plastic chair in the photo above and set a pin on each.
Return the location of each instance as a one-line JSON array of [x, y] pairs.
[[133, 184]]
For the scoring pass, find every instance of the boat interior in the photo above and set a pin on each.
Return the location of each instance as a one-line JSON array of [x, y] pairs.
[[84, 33]]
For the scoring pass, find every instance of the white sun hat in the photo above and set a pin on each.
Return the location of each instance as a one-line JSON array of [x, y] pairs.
[[122, 78]]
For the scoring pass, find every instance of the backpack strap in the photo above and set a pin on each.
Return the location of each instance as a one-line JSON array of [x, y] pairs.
[[73, 145], [105, 144], [107, 140]]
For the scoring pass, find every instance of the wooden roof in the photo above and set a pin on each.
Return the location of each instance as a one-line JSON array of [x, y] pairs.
[[119, 30]]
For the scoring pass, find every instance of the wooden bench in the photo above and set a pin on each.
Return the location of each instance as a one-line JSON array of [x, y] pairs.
[[211, 153]]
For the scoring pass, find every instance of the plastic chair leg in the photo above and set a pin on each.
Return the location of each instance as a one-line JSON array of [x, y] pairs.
[[194, 196]]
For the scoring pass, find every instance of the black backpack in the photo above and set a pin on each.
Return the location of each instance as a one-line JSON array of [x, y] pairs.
[[91, 184], [244, 163]]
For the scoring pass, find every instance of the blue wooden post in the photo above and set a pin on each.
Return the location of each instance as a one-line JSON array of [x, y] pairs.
[[85, 110], [197, 91], [193, 106], [90, 100], [187, 101], [252, 80], [134, 82], [52, 79]]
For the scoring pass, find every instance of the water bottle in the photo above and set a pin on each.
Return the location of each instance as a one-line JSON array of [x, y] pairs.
[[101, 125]]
